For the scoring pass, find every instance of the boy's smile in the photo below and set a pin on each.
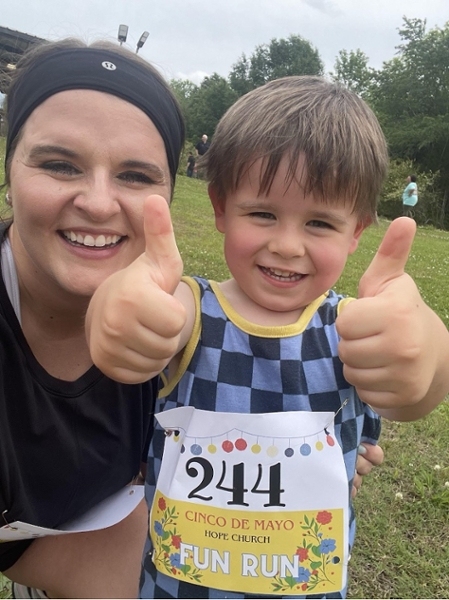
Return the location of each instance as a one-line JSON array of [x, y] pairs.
[[284, 276], [284, 249]]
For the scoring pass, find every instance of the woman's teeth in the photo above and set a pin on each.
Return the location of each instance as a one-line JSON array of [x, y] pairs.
[[89, 240]]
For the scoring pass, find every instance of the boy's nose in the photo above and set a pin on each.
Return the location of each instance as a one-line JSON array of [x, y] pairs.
[[287, 243]]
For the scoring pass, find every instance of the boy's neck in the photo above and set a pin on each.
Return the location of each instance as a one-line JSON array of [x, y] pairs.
[[253, 312]]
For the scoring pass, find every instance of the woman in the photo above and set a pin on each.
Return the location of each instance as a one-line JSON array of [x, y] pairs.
[[92, 132], [409, 196]]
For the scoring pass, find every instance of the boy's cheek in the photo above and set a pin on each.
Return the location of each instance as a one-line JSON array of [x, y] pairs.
[[353, 246], [356, 237]]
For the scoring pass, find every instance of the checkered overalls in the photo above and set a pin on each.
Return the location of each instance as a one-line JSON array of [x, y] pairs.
[[232, 365]]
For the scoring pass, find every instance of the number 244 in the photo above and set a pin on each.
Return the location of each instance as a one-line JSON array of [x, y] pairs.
[[238, 489]]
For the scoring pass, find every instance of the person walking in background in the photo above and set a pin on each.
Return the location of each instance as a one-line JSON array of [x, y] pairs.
[[203, 146], [410, 196], [190, 165]]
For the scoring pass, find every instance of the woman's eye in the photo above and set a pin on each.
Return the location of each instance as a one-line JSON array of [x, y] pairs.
[[60, 167], [135, 177]]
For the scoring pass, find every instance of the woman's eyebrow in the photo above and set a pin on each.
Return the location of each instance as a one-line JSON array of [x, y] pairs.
[[45, 149], [152, 168]]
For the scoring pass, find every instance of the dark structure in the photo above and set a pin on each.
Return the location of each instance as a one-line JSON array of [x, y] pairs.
[[12, 45]]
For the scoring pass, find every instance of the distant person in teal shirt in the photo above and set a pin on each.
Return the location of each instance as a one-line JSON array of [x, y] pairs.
[[409, 196]]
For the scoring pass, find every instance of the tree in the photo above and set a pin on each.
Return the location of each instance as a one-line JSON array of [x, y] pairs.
[[239, 77], [203, 105], [352, 70], [184, 91], [280, 58], [207, 105], [411, 98], [294, 56]]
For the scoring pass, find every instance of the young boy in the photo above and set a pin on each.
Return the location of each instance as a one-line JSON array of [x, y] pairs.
[[190, 165], [265, 402]]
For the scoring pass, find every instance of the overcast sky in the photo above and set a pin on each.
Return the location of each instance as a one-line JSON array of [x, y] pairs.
[[193, 38]]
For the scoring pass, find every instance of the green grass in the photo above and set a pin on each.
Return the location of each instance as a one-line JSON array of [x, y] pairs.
[[402, 545]]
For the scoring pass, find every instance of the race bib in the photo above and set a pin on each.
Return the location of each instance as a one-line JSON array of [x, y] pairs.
[[252, 502]]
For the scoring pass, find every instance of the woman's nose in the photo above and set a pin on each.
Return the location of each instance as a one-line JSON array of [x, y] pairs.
[[99, 199]]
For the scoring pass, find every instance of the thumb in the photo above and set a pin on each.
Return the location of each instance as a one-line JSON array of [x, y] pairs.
[[391, 257], [161, 251]]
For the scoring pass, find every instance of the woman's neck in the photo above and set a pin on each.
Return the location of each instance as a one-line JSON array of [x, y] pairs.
[[53, 325]]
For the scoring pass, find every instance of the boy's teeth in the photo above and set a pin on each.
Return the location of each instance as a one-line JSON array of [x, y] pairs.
[[282, 273]]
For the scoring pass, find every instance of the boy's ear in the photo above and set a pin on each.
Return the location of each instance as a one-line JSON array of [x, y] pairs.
[[360, 228], [219, 208]]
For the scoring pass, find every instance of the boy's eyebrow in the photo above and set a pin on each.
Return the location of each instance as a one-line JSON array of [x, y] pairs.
[[329, 216], [253, 204]]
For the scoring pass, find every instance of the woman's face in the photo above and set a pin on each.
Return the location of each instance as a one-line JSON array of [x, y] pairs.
[[83, 166]]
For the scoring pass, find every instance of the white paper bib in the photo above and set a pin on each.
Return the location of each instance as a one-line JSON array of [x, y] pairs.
[[110, 511], [252, 502]]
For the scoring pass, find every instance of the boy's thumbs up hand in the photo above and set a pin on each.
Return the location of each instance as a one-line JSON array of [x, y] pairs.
[[133, 323], [386, 345], [388, 265]]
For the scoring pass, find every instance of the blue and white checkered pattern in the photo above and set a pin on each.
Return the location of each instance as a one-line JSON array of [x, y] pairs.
[[254, 369]]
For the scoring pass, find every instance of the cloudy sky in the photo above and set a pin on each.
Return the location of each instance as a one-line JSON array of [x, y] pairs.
[[193, 38]]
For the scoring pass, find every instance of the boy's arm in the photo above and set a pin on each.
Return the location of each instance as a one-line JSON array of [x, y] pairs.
[[395, 349], [141, 316]]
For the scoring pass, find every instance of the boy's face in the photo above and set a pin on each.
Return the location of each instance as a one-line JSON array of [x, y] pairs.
[[286, 248]]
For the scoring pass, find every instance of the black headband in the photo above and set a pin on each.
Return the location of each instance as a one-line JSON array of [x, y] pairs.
[[104, 71]]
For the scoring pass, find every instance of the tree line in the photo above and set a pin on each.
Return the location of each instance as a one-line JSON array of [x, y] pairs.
[[409, 94]]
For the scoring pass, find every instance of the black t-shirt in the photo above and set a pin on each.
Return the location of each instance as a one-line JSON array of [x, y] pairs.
[[202, 147], [64, 446]]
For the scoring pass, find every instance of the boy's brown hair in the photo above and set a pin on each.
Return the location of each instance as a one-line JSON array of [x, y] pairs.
[[345, 150]]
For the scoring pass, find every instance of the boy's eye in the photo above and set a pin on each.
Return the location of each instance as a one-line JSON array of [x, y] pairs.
[[262, 215], [135, 177], [320, 224], [60, 167]]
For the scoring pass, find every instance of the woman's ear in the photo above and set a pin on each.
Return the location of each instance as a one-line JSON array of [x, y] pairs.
[[219, 206]]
